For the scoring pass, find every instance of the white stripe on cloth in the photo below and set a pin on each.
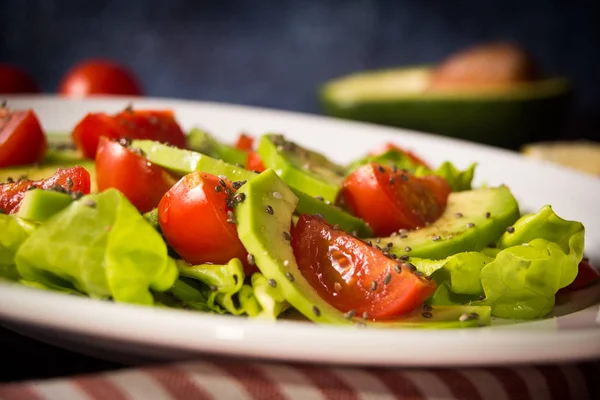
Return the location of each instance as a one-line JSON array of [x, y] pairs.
[[535, 381], [293, 384], [214, 381], [59, 389], [577, 385], [487, 385], [365, 385], [135, 384], [429, 384]]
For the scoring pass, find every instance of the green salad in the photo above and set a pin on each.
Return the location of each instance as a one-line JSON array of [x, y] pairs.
[[275, 230]]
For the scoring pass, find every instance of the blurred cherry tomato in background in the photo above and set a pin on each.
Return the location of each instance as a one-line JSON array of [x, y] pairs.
[[15, 80], [98, 76]]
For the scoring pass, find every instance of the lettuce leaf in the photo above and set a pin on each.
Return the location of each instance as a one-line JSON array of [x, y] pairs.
[[459, 180], [220, 284], [271, 300], [221, 289], [13, 232], [100, 246]]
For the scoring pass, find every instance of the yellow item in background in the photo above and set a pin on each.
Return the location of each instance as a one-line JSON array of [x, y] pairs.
[[580, 155]]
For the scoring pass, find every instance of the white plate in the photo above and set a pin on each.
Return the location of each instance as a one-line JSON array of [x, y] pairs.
[[129, 333]]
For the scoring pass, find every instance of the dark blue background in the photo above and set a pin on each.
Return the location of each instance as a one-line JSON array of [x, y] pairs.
[[276, 53]]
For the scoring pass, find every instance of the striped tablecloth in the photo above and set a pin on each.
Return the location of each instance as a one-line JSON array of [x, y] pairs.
[[245, 380]]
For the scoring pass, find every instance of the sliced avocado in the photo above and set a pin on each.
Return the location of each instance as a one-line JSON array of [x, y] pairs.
[[525, 113], [205, 143], [185, 161], [40, 205], [472, 220], [302, 169], [266, 237]]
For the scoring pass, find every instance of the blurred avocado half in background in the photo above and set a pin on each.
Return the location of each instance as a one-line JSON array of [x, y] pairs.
[[492, 93]]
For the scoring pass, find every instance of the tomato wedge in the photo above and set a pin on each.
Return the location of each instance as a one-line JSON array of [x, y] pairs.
[[390, 199], [75, 180], [253, 162], [159, 125], [22, 140], [196, 219], [244, 142], [393, 147], [353, 276], [142, 182]]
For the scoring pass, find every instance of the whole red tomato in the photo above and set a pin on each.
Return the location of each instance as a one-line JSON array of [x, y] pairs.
[[15, 80], [98, 76]]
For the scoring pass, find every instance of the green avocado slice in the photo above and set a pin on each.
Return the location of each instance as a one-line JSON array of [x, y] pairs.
[[400, 97], [185, 161], [40, 205], [472, 220], [266, 237], [203, 142], [302, 169]]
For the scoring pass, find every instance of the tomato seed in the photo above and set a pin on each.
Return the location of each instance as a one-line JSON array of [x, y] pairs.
[[470, 225], [510, 229], [427, 314], [374, 286], [272, 283], [250, 259], [269, 210], [407, 248], [398, 268], [218, 188], [287, 236], [488, 214], [458, 215], [387, 279]]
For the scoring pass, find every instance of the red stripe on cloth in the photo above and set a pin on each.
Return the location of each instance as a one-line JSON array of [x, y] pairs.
[[98, 387], [256, 383], [401, 386], [513, 383], [177, 383], [556, 381], [329, 384], [18, 391], [591, 374], [460, 386]]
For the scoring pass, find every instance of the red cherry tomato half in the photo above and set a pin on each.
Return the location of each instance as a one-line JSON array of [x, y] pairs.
[[99, 77], [391, 200], [587, 275], [195, 219], [159, 125], [142, 182], [75, 179], [392, 147], [245, 142], [253, 162], [15, 80], [22, 140], [351, 275]]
